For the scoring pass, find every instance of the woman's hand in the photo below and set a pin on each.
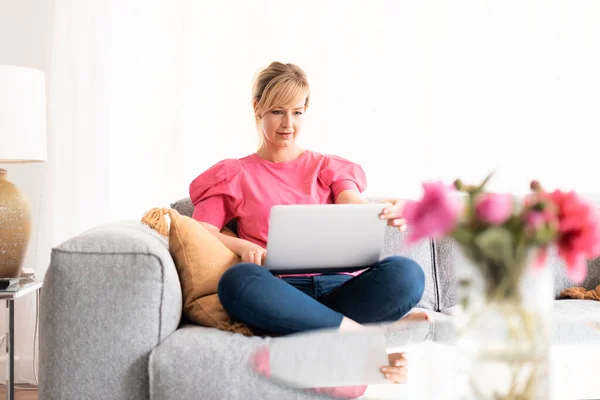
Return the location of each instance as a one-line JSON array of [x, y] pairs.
[[393, 214], [255, 254], [397, 371]]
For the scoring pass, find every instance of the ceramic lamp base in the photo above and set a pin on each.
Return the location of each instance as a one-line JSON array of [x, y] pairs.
[[15, 227]]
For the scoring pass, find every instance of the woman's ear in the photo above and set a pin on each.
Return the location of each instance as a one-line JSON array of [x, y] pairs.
[[255, 106]]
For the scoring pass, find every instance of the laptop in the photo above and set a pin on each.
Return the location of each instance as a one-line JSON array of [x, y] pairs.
[[321, 238]]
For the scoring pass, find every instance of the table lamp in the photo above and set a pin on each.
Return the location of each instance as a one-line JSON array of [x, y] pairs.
[[22, 140]]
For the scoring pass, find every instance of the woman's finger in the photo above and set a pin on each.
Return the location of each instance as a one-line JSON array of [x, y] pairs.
[[395, 374], [396, 378], [397, 363], [399, 222], [395, 370], [394, 358], [394, 211], [390, 216]]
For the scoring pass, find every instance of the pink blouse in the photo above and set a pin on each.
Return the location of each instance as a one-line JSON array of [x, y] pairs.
[[247, 188]]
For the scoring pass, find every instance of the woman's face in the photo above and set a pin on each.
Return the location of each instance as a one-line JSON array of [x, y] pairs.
[[282, 125]]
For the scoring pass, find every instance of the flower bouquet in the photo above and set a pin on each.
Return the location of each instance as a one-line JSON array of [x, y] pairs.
[[505, 242]]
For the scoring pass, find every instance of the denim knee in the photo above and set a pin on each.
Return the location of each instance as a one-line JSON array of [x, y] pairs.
[[235, 278], [406, 274]]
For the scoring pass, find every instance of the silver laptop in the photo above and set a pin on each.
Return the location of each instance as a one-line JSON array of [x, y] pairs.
[[324, 238]]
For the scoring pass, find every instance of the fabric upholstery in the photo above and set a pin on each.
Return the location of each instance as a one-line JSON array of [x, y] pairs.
[[197, 362], [421, 253], [184, 206], [562, 281], [110, 296], [448, 257], [573, 321]]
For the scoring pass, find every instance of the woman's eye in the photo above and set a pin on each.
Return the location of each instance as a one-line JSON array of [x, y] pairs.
[[298, 113], [276, 112]]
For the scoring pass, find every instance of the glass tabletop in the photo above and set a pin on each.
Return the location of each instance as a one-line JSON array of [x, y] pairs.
[[437, 368], [25, 286], [435, 363]]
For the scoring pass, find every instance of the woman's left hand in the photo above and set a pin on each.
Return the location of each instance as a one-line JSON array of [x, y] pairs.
[[397, 371], [393, 214]]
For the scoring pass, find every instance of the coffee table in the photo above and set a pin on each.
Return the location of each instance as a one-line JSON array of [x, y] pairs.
[[434, 361]]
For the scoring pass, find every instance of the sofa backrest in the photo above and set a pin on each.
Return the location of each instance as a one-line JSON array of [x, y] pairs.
[[439, 259]]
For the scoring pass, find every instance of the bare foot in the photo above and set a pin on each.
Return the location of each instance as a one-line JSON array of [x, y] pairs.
[[416, 316], [348, 324]]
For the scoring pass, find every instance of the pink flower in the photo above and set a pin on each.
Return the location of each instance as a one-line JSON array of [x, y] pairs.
[[579, 233], [494, 208], [435, 214], [535, 220]]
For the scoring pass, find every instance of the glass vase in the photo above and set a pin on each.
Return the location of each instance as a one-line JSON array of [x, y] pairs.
[[503, 326]]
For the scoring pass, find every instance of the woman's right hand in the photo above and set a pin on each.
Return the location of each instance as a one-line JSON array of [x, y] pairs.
[[254, 254]]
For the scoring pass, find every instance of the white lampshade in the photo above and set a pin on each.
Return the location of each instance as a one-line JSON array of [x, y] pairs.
[[22, 115]]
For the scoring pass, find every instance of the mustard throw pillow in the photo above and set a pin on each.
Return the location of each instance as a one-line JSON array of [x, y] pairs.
[[200, 259]]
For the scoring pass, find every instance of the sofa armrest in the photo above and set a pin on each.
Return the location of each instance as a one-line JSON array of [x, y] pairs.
[[110, 296]]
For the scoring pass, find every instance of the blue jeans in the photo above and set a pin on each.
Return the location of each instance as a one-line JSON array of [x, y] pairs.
[[385, 292]]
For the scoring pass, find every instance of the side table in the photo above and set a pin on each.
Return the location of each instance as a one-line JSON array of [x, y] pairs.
[[24, 287]]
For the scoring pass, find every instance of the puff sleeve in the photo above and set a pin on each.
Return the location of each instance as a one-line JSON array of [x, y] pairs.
[[340, 174], [215, 193]]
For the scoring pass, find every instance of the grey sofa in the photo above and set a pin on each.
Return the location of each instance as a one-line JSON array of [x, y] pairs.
[[111, 326]]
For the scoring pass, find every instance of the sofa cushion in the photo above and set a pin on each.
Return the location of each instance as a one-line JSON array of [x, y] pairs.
[[562, 281], [197, 362], [573, 321], [421, 252], [448, 257], [184, 206]]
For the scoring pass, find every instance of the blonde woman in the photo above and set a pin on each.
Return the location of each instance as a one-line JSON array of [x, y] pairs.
[[281, 172]]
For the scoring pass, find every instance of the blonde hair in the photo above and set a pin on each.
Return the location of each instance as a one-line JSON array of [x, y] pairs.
[[275, 86]]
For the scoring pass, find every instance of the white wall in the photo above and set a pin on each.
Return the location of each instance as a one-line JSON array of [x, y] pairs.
[[153, 93], [25, 27], [412, 90]]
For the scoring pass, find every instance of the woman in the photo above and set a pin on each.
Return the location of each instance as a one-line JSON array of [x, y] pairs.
[[280, 172]]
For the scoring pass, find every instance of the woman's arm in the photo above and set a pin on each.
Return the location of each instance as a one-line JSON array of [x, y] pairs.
[[246, 250], [350, 197], [392, 213], [228, 232], [229, 239]]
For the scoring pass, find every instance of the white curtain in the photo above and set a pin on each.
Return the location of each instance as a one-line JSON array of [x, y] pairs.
[[146, 94]]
